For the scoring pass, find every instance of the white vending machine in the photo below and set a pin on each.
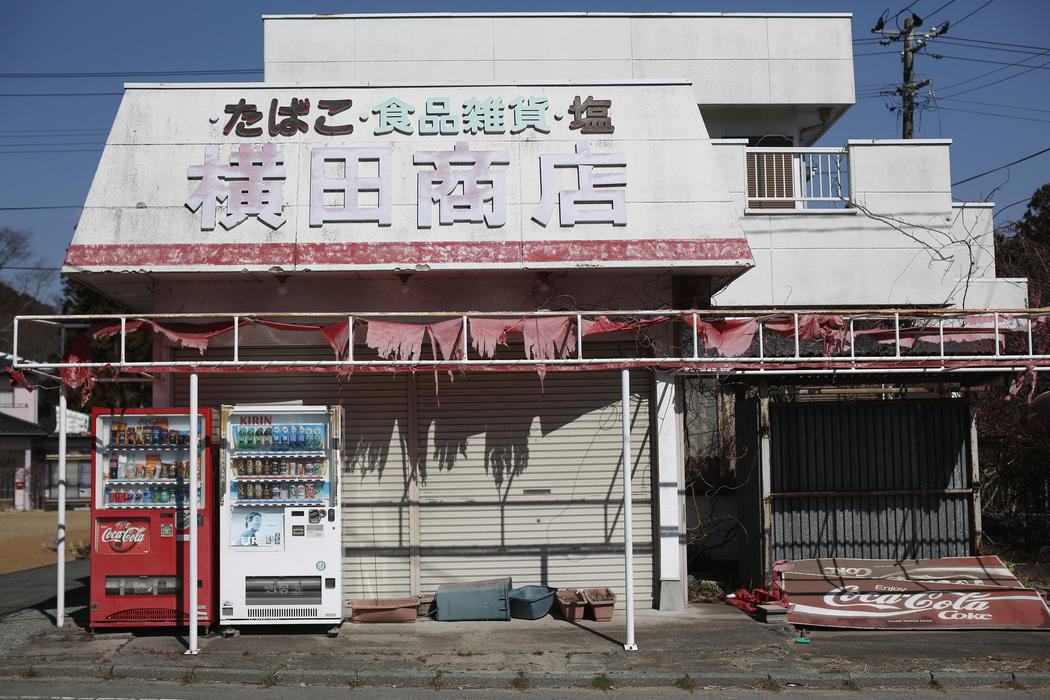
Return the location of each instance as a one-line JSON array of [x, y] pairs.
[[280, 534]]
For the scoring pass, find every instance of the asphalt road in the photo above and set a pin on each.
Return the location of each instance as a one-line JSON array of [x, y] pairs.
[[35, 588], [28, 600], [121, 690]]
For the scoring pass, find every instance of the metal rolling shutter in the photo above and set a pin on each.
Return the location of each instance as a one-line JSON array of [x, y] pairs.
[[525, 482]]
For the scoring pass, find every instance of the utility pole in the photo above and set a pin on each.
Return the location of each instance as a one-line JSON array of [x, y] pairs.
[[908, 86]]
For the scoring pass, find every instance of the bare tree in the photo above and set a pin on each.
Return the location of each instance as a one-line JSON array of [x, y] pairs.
[[23, 280]]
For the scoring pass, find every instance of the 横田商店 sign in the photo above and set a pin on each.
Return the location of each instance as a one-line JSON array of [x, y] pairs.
[[473, 177]]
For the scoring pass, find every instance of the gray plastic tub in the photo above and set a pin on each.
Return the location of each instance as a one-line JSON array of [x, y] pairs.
[[477, 600], [531, 602]]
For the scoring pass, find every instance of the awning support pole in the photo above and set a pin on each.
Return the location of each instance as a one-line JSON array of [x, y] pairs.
[[60, 611], [628, 543], [194, 479]]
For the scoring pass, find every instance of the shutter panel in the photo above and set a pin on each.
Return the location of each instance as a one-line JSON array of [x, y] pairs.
[[523, 482]]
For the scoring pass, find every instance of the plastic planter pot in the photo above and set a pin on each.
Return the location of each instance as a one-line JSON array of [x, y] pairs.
[[571, 604], [601, 602], [531, 602], [384, 609]]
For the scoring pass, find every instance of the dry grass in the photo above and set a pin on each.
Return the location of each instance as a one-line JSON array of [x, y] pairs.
[[26, 535]]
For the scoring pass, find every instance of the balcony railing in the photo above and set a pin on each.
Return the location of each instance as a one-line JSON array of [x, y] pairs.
[[797, 178]]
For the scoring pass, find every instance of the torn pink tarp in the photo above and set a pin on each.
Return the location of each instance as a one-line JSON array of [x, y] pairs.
[[338, 336], [549, 337], [188, 335], [18, 378], [603, 324], [733, 337], [728, 338], [395, 341], [404, 341], [974, 329], [487, 333], [448, 337], [82, 378]]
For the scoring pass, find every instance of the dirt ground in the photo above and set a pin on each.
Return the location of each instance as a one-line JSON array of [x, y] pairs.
[[26, 535]]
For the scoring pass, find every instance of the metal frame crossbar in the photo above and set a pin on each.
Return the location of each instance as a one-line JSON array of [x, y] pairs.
[[895, 352]]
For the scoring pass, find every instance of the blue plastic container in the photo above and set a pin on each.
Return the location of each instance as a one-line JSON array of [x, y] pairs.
[[531, 602], [477, 600]]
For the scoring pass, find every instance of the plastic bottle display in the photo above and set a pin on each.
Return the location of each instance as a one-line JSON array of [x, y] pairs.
[[146, 463]]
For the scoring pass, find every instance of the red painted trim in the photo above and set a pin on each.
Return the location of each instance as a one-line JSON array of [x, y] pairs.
[[175, 254], [290, 255]]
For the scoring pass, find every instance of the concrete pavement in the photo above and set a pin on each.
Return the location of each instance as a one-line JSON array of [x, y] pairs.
[[714, 645]]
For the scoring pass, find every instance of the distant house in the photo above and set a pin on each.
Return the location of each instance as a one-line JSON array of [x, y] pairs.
[[28, 449]]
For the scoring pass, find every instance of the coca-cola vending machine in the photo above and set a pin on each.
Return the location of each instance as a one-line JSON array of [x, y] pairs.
[[140, 518]]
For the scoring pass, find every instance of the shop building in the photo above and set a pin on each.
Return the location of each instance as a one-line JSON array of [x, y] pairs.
[[478, 222]]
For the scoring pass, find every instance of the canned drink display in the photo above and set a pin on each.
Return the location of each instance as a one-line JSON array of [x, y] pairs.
[[309, 490], [293, 436]]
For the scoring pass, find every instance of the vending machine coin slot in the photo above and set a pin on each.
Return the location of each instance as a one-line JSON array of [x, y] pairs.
[[315, 516], [331, 515]]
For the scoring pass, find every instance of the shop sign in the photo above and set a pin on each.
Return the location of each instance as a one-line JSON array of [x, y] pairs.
[[988, 570], [466, 185], [864, 603], [122, 536], [441, 115]]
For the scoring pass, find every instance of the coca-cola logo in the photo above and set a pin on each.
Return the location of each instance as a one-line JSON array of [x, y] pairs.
[[947, 605], [123, 536]]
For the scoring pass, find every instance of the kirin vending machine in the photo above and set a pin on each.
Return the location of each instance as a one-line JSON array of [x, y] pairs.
[[280, 535], [140, 518]]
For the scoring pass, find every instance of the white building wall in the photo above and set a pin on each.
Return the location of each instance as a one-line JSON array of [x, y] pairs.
[[901, 242], [731, 59]]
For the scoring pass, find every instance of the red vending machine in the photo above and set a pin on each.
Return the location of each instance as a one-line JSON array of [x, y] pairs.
[[140, 518]]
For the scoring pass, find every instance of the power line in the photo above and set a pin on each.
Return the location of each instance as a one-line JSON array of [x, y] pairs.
[[983, 60], [135, 74], [1002, 49], [1019, 64], [994, 104], [55, 206], [960, 21], [997, 43], [55, 150], [61, 94], [931, 14], [987, 172], [994, 114]]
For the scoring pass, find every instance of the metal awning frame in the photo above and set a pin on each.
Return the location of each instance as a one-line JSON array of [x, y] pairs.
[[1006, 322]]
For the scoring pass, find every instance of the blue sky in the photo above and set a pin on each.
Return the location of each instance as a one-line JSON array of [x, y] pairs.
[[50, 146]]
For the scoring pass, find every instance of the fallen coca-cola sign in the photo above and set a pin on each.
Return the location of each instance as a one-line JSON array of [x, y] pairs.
[[986, 570], [125, 536], [868, 603]]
